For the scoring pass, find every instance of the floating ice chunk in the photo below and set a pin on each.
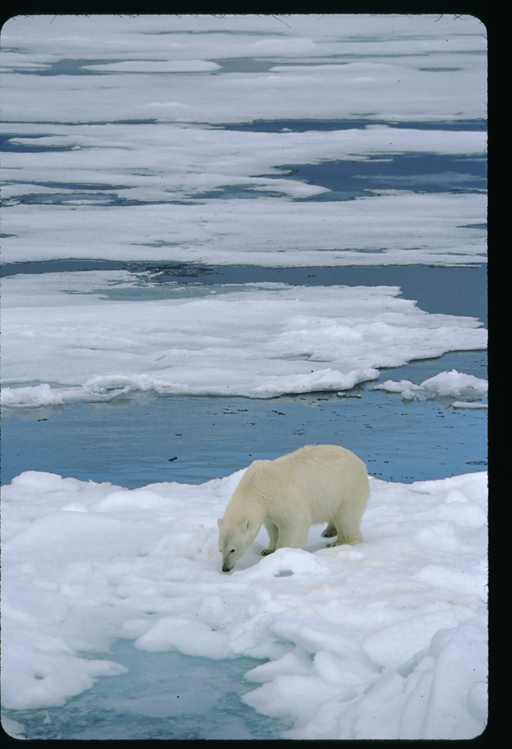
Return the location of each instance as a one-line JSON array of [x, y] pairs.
[[408, 390], [35, 395], [303, 339], [446, 384], [466, 404], [456, 384]]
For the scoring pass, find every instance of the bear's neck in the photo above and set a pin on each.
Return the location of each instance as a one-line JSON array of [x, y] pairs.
[[254, 511]]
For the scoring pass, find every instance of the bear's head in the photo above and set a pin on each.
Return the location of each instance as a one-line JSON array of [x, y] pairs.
[[233, 542]]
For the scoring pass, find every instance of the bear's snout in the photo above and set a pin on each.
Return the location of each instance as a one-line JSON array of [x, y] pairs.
[[226, 567]]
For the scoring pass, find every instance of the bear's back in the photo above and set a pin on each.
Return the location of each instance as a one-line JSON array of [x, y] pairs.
[[312, 459], [319, 476]]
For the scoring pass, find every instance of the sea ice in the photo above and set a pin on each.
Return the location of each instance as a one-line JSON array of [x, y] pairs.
[[260, 340], [454, 385], [393, 629], [396, 227], [404, 65], [130, 152]]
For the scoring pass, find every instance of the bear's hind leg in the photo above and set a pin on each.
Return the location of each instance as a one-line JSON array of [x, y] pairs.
[[330, 531], [347, 529], [343, 540], [350, 536]]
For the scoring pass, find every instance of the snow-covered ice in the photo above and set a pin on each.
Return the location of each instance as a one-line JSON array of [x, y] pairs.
[[401, 228], [384, 67], [128, 152], [259, 340], [393, 629]]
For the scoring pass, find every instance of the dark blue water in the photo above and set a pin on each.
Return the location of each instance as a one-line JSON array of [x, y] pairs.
[[427, 172], [346, 180], [302, 126]]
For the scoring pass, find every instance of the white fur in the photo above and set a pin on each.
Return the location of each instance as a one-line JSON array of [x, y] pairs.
[[316, 484]]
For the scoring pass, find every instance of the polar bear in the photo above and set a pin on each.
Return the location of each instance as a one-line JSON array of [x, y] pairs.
[[315, 484]]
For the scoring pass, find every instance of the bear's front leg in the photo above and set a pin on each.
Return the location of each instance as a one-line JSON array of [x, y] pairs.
[[273, 534], [294, 535]]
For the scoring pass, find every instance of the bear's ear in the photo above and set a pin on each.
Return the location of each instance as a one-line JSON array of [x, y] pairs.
[[246, 525], [219, 522]]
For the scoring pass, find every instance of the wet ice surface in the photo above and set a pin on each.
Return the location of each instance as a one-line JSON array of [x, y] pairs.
[[160, 696], [166, 185]]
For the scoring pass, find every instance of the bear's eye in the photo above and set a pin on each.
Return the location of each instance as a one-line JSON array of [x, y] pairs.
[[232, 551]]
